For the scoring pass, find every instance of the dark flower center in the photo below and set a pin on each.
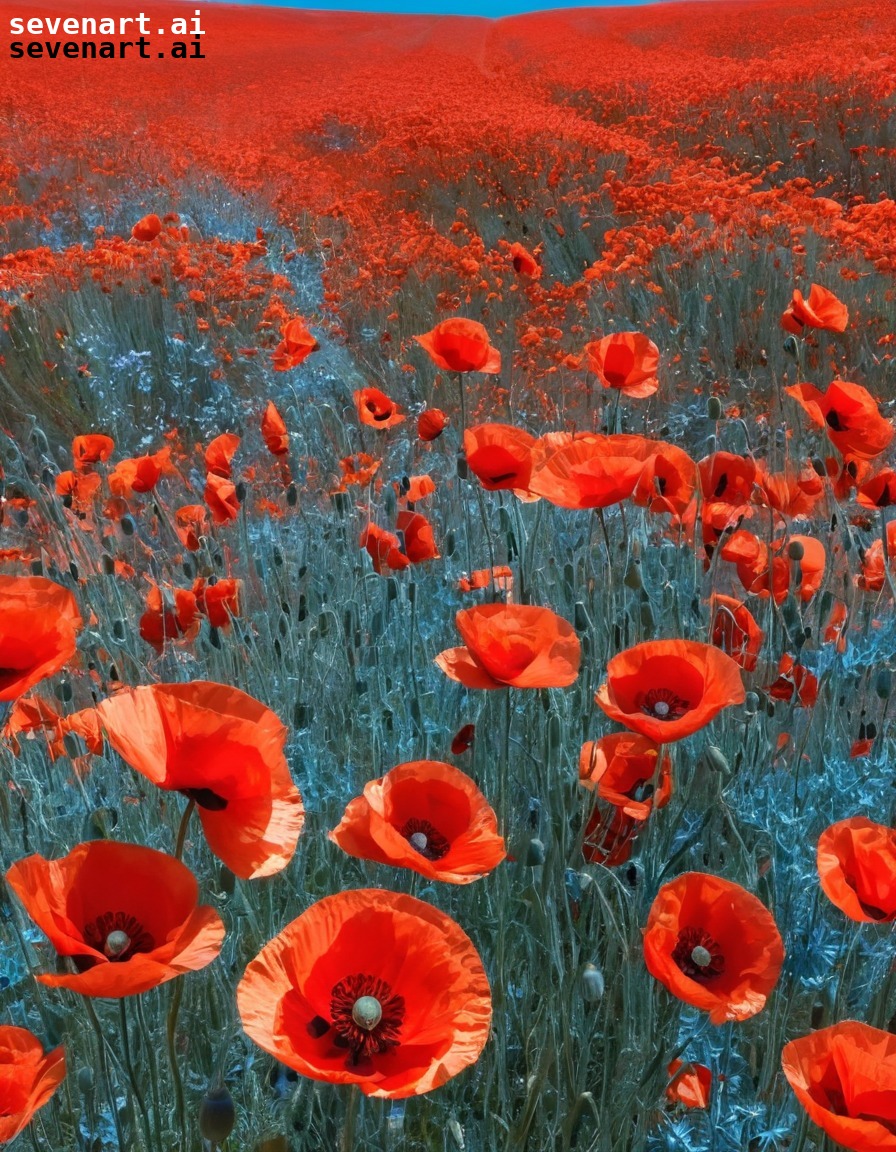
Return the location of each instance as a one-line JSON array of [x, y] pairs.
[[117, 935], [698, 955], [205, 798], [834, 420], [425, 839], [366, 1018], [663, 704]]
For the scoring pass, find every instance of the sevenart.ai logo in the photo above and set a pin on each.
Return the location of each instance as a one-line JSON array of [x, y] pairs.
[[107, 38]]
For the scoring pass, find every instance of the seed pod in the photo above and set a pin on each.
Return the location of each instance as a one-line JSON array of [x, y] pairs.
[[217, 1115], [632, 578], [591, 984], [128, 526], [883, 683], [108, 564], [716, 760], [292, 495], [37, 568], [795, 550], [791, 347], [751, 704], [714, 408], [535, 853], [463, 470], [240, 491], [85, 1080]]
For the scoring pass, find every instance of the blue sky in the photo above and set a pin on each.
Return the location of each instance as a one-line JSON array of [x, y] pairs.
[[488, 8]]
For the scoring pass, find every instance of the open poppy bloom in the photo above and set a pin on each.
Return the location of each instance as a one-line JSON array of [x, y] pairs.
[[668, 478], [845, 1078], [667, 689], [499, 455], [221, 498], [426, 816], [147, 228], [690, 1084], [39, 624], [626, 361], [735, 631], [416, 531], [512, 645], [822, 310], [191, 522], [625, 771], [376, 410], [850, 416], [273, 431], [128, 916], [169, 615], [371, 988], [91, 449], [295, 347], [524, 263], [460, 345], [857, 869], [224, 750], [219, 602], [28, 1078], [714, 946], [761, 571], [139, 474], [587, 471]]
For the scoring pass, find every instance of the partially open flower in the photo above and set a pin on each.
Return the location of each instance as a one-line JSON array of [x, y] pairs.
[[857, 869], [626, 361], [624, 769], [28, 1078], [822, 310], [460, 345], [39, 624]]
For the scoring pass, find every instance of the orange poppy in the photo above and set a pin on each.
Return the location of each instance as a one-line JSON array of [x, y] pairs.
[[879, 491], [624, 769], [295, 347], [358, 469], [512, 645], [845, 1078], [78, 491], [588, 471], [91, 449], [822, 310], [220, 453], [524, 263], [735, 631], [431, 424], [147, 228], [714, 946], [460, 345], [791, 493], [412, 489], [500, 577], [218, 601], [140, 474], [169, 616], [376, 410], [850, 416], [191, 522], [416, 532], [384, 549], [220, 496], [668, 479], [273, 431], [667, 689], [39, 624], [857, 869], [626, 361], [610, 842], [426, 816], [690, 1084], [28, 1078], [758, 568], [499, 455], [224, 750], [128, 916], [371, 988]]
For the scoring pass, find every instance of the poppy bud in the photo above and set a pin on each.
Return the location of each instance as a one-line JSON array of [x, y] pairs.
[[714, 408], [591, 984], [240, 491], [74, 745], [108, 564], [37, 568], [217, 1115], [85, 1080], [883, 683], [819, 466], [555, 735], [790, 346], [450, 543], [292, 495], [462, 470], [751, 704], [581, 618], [795, 550], [632, 577], [118, 630], [63, 691], [535, 853], [716, 760], [341, 502]]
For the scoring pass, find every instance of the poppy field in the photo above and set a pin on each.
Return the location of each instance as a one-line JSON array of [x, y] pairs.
[[448, 584]]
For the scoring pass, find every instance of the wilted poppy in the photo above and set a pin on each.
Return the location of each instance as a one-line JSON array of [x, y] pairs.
[[690, 1084], [733, 628], [499, 455], [524, 263], [500, 577], [713, 945], [793, 494], [626, 361], [295, 347], [759, 569], [857, 869], [28, 1078], [376, 410], [411, 489], [822, 310], [460, 345], [147, 228], [426, 816], [128, 916], [273, 431], [794, 683], [371, 988], [431, 424], [625, 771], [610, 841], [512, 645], [873, 574], [224, 750], [850, 416], [667, 689], [39, 624], [463, 739], [845, 1078], [588, 471]]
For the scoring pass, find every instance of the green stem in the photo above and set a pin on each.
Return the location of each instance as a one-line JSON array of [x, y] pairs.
[[104, 1072], [129, 1065], [182, 830], [171, 1028]]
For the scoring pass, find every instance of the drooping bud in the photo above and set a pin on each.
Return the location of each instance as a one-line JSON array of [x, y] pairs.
[[714, 408], [217, 1115], [591, 983]]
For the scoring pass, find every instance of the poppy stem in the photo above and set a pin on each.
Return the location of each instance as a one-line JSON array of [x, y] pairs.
[[129, 1066], [153, 1074], [104, 1072], [171, 1029], [885, 546], [182, 830], [348, 1144]]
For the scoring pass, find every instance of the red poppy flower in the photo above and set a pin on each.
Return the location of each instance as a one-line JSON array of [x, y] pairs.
[[426, 816], [500, 577], [371, 988], [376, 410], [412, 489], [714, 946], [873, 575], [758, 568], [588, 471], [845, 1078], [419, 543], [610, 841], [91, 449], [727, 478], [147, 228], [690, 1084], [39, 624], [879, 491], [667, 689], [384, 549], [460, 345], [668, 478], [295, 347], [220, 453], [219, 602], [191, 522], [822, 310], [512, 645], [273, 431], [78, 491], [171, 615], [850, 416], [499, 455], [128, 916], [28, 1078], [857, 869], [735, 631], [627, 361], [793, 494], [431, 424], [222, 749], [624, 768], [524, 263], [140, 474], [795, 682], [220, 496], [463, 739]]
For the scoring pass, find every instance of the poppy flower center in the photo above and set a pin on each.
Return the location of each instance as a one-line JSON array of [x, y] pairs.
[[118, 936], [698, 955], [366, 1017], [205, 798], [833, 420], [425, 839], [663, 704]]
